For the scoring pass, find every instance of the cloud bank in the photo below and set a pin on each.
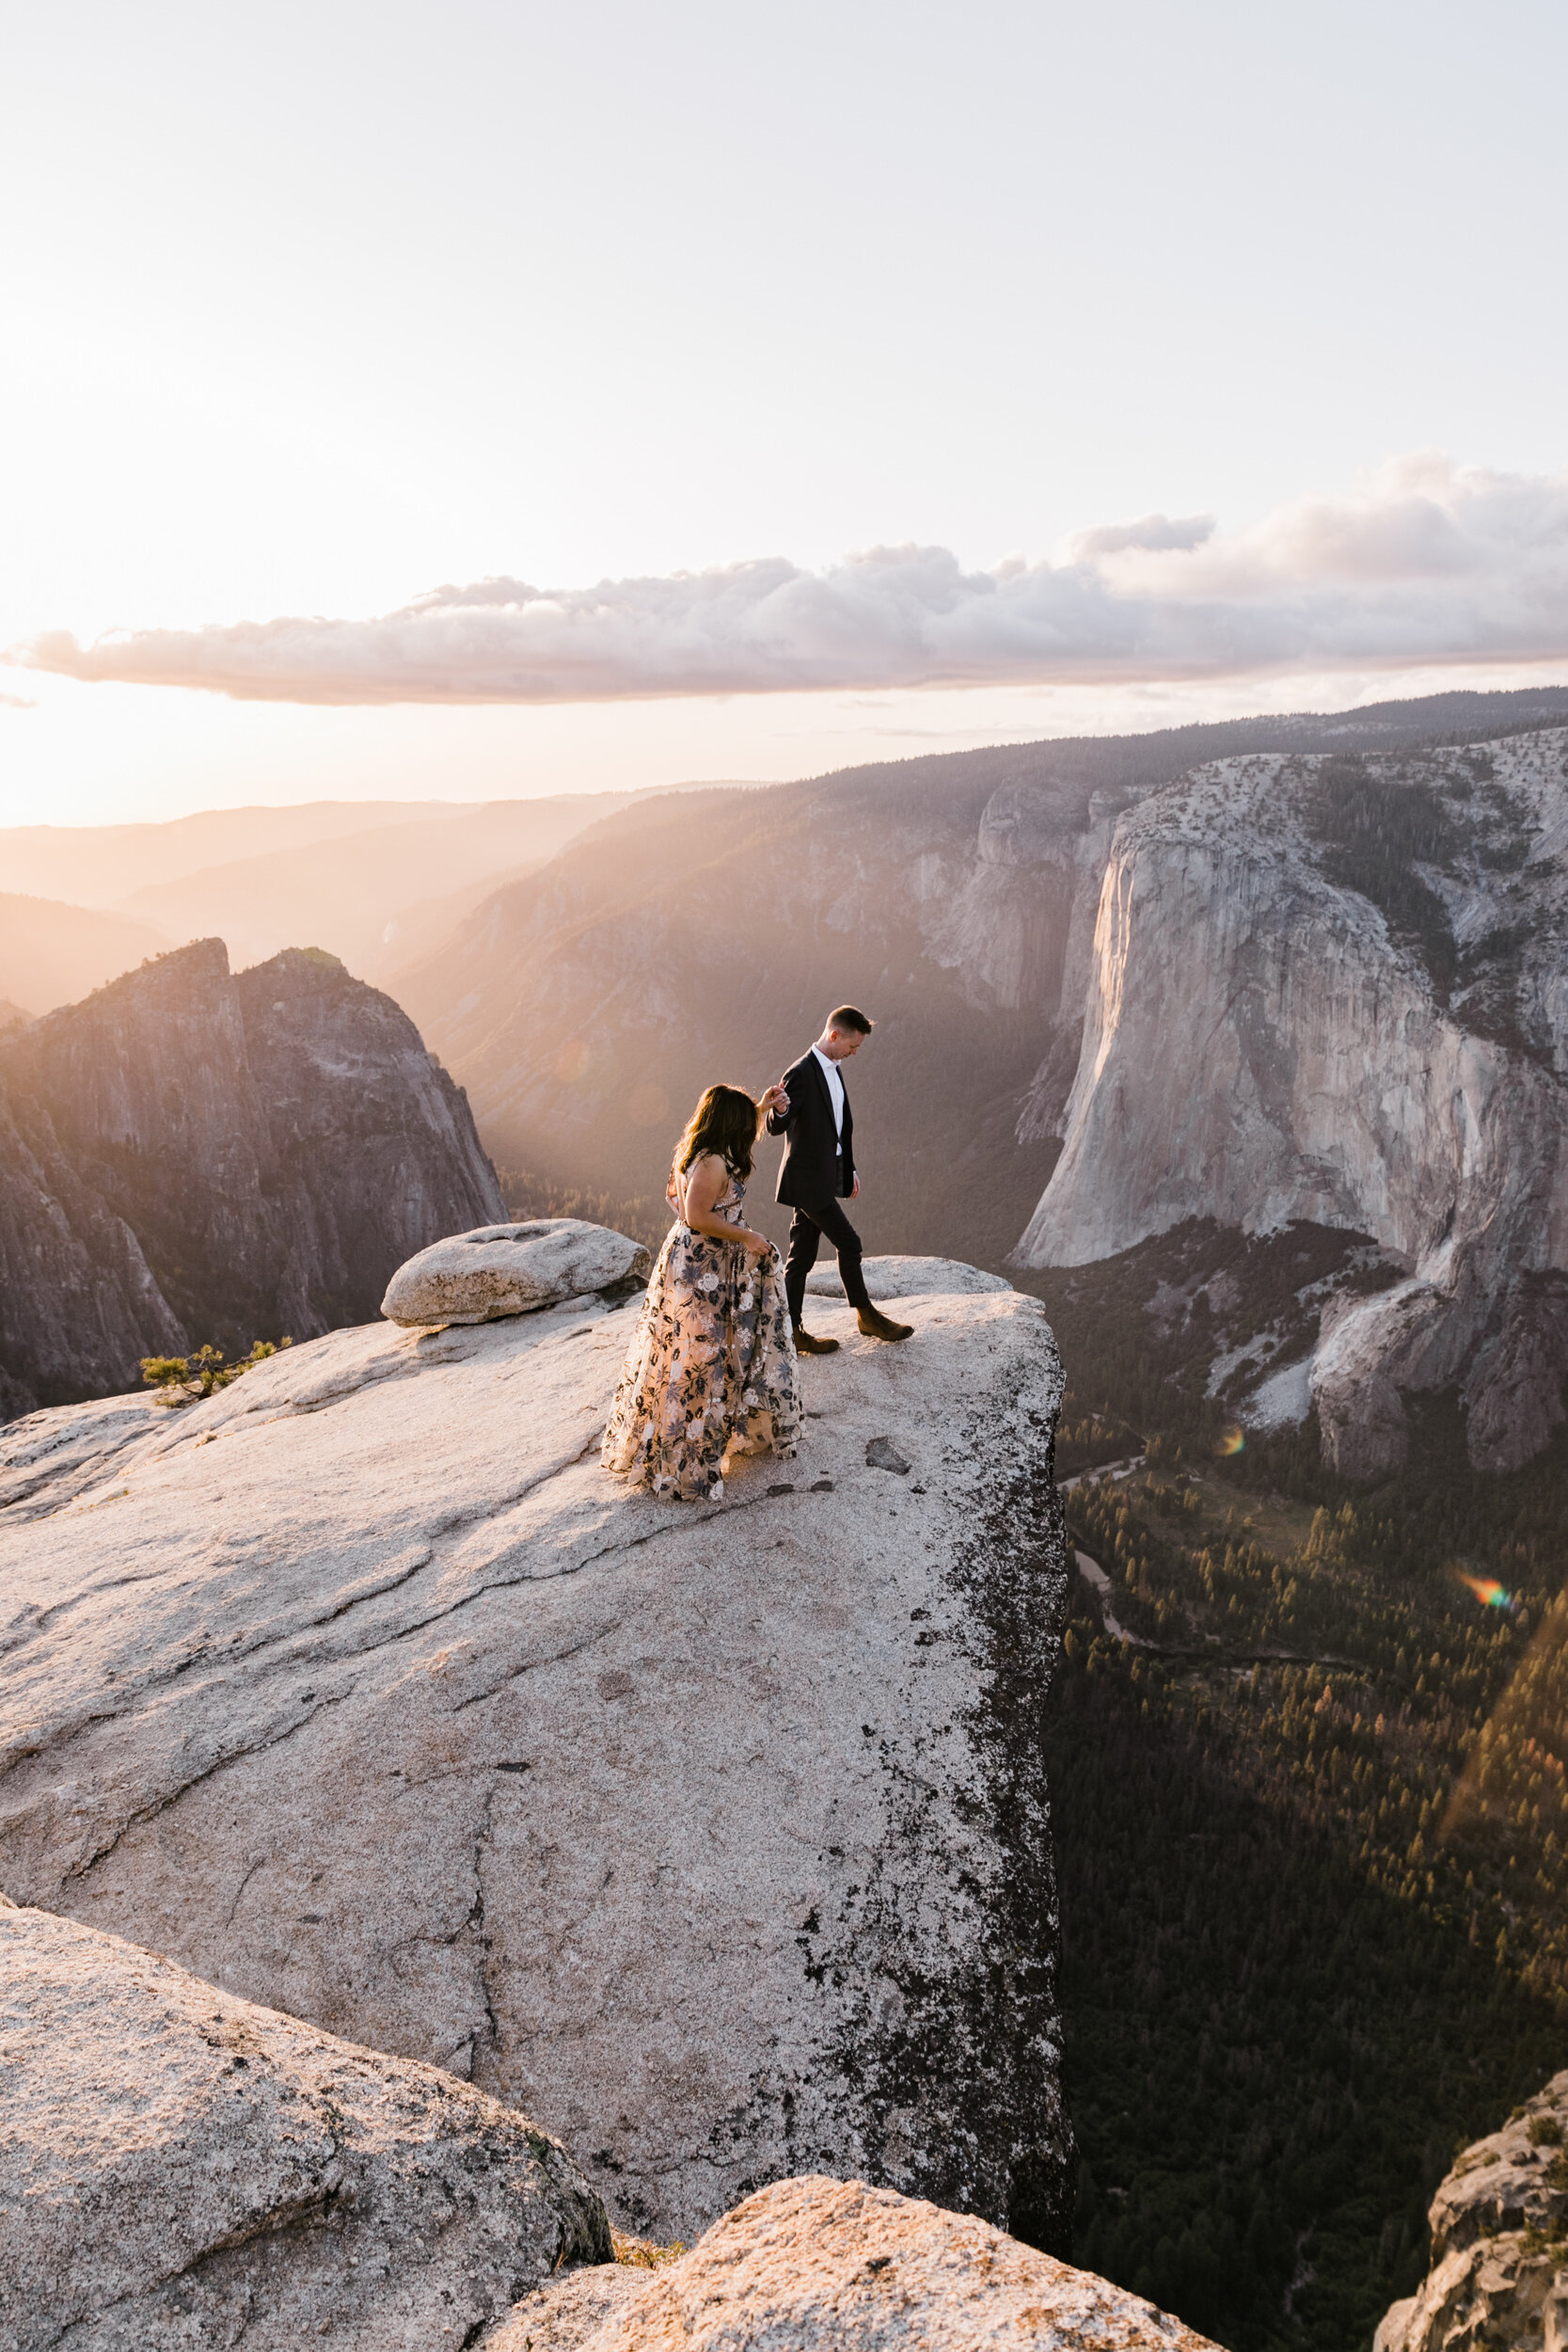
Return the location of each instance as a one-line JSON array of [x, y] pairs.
[[1424, 562]]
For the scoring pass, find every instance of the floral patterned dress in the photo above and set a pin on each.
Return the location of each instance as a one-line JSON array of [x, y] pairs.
[[710, 1371]]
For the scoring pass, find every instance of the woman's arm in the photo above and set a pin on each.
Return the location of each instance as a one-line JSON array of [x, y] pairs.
[[701, 1186]]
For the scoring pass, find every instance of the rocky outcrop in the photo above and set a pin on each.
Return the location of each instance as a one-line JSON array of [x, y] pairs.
[[824, 2265], [1499, 2274], [192, 1157], [510, 1270], [181, 2167], [718, 1839], [1334, 991]]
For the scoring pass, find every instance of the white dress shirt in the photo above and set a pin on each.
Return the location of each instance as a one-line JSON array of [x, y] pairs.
[[835, 1091]]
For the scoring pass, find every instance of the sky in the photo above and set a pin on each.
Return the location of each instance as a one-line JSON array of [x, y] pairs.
[[501, 399]]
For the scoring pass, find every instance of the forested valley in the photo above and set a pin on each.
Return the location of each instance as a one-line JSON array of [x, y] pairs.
[[1309, 1817]]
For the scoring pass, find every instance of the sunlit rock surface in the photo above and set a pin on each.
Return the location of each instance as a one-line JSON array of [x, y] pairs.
[[179, 2167], [1499, 2274], [717, 1839], [825, 2265], [1263, 1043]]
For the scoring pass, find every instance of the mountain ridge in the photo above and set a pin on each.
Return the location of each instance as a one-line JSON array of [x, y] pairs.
[[190, 1156]]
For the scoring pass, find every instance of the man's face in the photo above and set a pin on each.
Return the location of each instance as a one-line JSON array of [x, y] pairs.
[[843, 1043]]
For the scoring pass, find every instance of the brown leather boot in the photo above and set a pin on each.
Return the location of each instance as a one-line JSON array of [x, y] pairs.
[[879, 1326], [806, 1345]]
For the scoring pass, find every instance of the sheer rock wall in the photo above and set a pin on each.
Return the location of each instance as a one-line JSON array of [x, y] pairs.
[[1263, 1042]]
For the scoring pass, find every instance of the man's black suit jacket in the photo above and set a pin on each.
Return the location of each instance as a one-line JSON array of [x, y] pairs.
[[814, 1171]]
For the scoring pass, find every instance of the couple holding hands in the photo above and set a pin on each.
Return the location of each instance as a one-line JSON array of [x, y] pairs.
[[711, 1369]]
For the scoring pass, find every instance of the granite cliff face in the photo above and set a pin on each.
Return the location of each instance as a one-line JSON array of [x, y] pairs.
[[702, 935], [191, 1156], [181, 2167], [717, 1839], [1336, 989]]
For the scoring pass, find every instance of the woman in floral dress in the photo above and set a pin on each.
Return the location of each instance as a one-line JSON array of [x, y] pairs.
[[710, 1371]]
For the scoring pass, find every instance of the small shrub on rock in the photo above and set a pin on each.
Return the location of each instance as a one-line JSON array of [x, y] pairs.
[[184, 1379], [643, 2253]]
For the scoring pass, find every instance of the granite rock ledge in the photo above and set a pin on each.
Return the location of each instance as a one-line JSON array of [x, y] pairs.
[[717, 1839]]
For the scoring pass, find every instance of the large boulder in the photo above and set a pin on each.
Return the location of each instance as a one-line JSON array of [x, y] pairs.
[[1498, 2270], [718, 1838], [179, 2167], [510, 1270], [822, 2266]]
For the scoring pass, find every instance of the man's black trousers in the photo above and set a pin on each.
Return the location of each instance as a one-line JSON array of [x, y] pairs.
[[807, 1227]]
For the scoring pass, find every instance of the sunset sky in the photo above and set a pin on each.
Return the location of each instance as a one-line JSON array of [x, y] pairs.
[[895, 377]]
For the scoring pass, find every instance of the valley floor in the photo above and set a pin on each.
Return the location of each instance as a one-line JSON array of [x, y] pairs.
[[1310, 1821]]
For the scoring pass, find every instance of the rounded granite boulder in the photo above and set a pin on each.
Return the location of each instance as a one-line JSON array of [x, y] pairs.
[[510, 1270]]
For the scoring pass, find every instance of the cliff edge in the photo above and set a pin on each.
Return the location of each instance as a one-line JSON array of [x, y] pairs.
[[718, 1839]]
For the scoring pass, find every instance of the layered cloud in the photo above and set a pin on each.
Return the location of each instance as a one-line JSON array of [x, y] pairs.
[[1424, 562]]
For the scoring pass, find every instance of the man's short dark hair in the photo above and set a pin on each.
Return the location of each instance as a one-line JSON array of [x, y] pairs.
[[848, 1017]]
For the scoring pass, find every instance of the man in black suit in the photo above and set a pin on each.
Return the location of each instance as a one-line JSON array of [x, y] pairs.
[[818, 1175]]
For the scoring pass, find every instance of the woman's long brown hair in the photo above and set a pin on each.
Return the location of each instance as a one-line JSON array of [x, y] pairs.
[[725, 1120]]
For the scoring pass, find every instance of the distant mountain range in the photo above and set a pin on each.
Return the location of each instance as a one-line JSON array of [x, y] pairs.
[[704, 934], [51, 954], [372, 883], [658, 942]]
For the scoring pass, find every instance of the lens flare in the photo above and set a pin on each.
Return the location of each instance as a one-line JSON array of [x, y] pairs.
[[1486, 1589], [1231, 1441]]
